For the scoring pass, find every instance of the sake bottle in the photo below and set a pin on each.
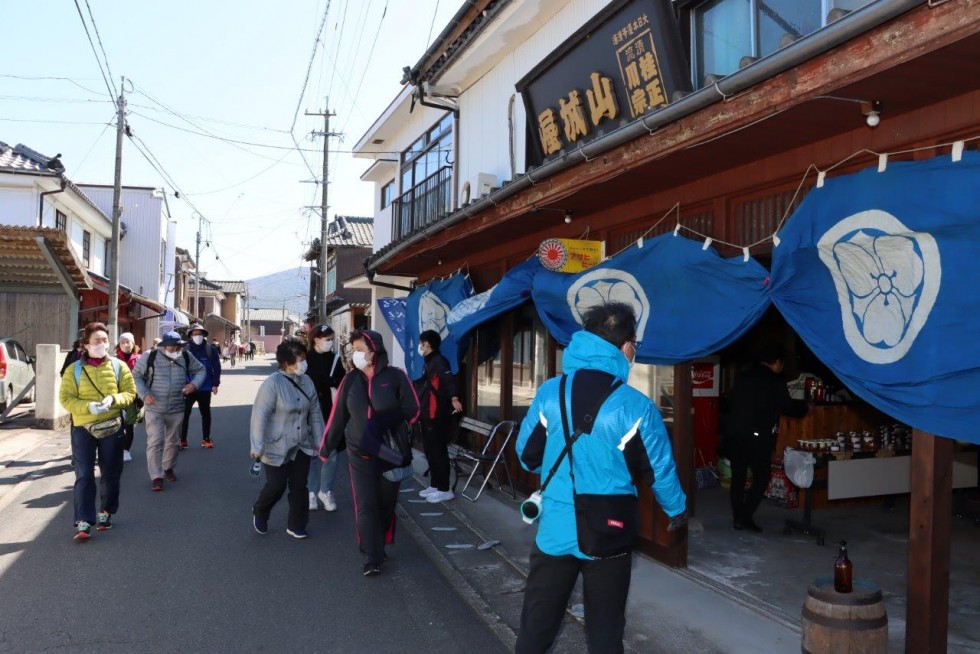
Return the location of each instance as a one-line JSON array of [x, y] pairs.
[[843, 571]]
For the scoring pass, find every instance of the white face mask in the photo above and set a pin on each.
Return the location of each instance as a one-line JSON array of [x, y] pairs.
[[172, 355], [97, 351], [360, 360], [197, 338], [421, 350], [324, 345], [300, 368]]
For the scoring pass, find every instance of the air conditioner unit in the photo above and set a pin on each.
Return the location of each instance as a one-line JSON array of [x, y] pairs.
[[477, 187]]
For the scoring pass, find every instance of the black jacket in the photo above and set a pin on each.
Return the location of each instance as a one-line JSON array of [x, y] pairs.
[[318, 367], [436, 388], [389, 389], [760, 396]]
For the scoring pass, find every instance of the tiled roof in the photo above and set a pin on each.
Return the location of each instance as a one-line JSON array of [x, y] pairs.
[[229, 286], [205, 283], [21, 157], [351, 231], [268, 315], [24, 262]]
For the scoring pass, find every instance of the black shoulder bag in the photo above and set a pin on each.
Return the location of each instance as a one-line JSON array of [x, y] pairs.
[[607, 525], [387, 438]]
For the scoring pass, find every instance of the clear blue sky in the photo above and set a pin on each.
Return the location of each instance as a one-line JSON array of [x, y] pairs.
[[214, 62]]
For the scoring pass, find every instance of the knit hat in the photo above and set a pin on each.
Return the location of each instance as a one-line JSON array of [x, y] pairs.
[[126, 336]]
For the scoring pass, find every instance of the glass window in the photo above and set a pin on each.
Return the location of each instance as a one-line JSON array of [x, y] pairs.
[[60, 220], [387, 194], [21, 353], [657, 382], [785, 18], [87, 249], [530, 359], [488, 372], [722, 36]]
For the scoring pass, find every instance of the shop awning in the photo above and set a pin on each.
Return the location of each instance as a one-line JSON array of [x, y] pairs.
[[126, 296]]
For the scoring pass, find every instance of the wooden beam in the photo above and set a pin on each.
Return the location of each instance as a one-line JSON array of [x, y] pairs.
[[930, 531]]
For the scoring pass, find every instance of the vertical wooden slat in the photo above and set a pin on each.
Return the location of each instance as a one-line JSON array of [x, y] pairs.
[[930, 530]]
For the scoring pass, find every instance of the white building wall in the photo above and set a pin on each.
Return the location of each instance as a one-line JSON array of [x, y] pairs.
[[141, 263], [484, 140], [18, 204]]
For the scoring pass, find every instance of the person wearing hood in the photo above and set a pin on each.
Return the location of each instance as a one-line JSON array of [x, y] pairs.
[[209, 357], [373, 392], [436, 389], [326, 371], [129, 353], [95, 389], [623, 445], [164, 378], [286, 421]]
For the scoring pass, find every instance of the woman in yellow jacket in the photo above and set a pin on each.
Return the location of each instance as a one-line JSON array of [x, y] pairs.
[[95, 390]]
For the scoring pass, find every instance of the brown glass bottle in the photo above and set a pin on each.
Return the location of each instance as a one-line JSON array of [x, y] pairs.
[[843, 571]]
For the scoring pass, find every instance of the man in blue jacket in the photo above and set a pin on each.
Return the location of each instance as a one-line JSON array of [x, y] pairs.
[[625, 443], [208, 355]]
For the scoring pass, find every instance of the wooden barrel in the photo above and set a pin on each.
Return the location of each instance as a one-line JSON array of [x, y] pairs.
[[844, 623]]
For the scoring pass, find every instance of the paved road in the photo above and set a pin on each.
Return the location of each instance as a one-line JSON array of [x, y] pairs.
[[183, 570]]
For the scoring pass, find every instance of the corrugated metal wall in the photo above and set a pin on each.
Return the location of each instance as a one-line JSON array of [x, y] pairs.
[[141, 260], [483, 130]]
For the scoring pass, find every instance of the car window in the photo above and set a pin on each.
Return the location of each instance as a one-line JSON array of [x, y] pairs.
[[11, 351], [21, 353]]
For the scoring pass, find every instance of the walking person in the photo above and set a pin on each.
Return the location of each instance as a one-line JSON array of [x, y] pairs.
[[129, 353], [208, 356], [232, 353], [164, 378], [95, 390], [619, 440], [372, 393], [759, 397], [439, 401], [326, 371], [286, 420]]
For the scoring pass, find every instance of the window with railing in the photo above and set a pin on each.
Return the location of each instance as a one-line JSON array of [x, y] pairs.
[[426, 180], [724, 32]]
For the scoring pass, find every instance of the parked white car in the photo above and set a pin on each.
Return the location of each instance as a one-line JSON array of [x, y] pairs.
[[16, 372]]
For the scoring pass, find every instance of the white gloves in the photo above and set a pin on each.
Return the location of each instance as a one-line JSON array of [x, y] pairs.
[[107, 401], [96, 408]]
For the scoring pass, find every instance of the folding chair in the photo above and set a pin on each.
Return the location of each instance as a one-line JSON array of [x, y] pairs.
[[498, 437]]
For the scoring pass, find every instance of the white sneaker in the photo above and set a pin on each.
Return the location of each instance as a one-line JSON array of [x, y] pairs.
[[428, 491], [313, 504], [328, 502], [440, 496], [127, 456]]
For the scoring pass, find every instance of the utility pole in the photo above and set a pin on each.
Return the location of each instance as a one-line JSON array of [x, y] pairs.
[[326, 134], [116, 218], [197, 269]]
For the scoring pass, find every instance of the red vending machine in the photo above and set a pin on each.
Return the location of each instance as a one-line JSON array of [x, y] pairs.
[[706, 377]]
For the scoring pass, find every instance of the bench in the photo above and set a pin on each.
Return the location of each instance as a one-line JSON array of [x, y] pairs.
[[496, 438]]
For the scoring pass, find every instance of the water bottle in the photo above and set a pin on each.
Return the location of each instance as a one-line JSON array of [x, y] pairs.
[[256, 468]]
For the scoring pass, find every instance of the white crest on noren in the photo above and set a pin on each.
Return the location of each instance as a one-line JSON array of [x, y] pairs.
[[602, 285]]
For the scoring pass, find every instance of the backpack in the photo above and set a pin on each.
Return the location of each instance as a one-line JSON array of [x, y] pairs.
[[78, 371], [153, 357]]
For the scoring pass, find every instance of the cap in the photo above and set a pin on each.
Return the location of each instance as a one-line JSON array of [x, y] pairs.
[[322, 330], [172, 338]]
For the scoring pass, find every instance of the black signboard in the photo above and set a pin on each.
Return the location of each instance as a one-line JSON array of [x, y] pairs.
[[623, 64]]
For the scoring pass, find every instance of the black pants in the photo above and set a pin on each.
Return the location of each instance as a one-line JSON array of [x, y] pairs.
[[129, 432], [753, 454], [435, 438], [292, 473], [203, 399], [606, 583], [374, 505]]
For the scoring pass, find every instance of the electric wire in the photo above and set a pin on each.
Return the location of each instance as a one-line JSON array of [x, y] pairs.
[[37, 78], [98, 37], [98, 138], [109, 87], [428, 39], [367, 64], [340, 40], [302, 93]]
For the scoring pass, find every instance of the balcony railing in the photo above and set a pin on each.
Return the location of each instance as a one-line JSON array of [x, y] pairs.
[[422, 204]]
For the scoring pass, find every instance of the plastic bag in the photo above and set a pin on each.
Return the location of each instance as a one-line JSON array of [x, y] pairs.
[[799, 467]]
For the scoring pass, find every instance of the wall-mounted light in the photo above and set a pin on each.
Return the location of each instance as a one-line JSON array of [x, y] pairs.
[[872, 112], [568, 216]]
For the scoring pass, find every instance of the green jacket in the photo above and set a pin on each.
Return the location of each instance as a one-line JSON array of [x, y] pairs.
[[76, 397]]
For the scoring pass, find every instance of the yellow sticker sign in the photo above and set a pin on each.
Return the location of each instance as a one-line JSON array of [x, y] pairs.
[[569, 255]]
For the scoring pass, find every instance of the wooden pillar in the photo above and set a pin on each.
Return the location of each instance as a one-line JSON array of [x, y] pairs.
[[930, 531]]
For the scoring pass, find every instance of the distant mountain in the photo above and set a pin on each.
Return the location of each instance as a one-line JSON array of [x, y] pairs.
[[269, 291]]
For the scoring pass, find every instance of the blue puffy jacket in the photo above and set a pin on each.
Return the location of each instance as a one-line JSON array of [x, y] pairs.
[[628, 441]]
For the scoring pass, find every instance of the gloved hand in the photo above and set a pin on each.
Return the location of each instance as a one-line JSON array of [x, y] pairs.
[[677, 522], [107, 401], [96, 408]]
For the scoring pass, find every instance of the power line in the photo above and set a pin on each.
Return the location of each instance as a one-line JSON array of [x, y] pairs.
[[367, 65], [94, 143], [340, 40], [428, 39], [231, 123], [33, 78], [50, 122], [109, 87], [98, 37], [216, 137], [302, 92], [31, 98], [247, 179]]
